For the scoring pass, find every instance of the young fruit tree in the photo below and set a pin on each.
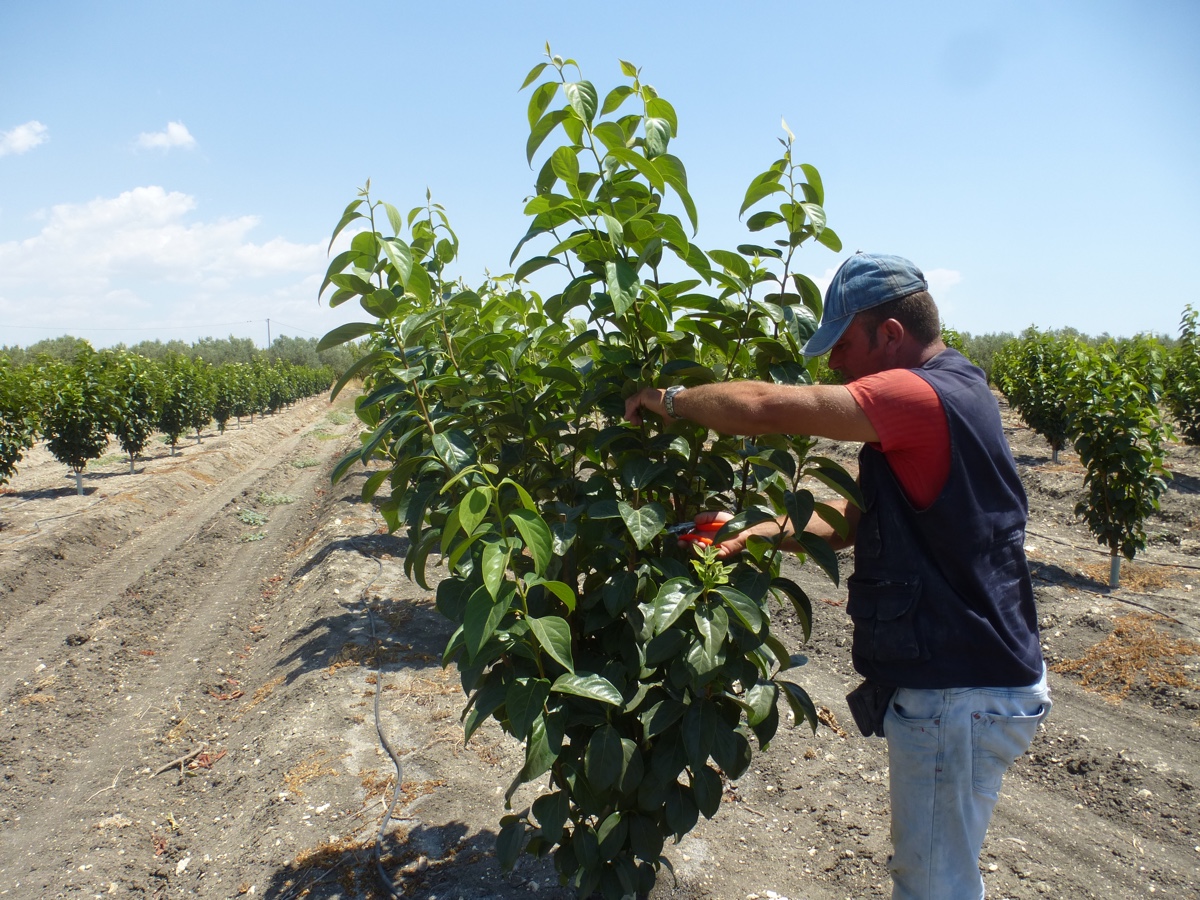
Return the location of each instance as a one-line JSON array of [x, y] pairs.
[[1182, 392], [18, 418], [1031, 372], [132, 414], [1118, 431], [635, 670], [75, 420]]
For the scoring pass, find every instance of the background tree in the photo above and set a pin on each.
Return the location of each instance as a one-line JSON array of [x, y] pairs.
[[18, 417], [1182, 394], [1118, 431], [634, 672], [133, 414], [1032, 372], [75, 421], [176, 398]]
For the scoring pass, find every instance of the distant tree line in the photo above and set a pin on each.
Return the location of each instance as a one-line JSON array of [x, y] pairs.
[[76, 401], [297, 351]]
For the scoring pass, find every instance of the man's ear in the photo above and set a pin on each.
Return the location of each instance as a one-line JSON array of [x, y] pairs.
[[891, 333]]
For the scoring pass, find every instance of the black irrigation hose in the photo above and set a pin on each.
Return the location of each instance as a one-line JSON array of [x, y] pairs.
[[1146, 562], [37, 525]]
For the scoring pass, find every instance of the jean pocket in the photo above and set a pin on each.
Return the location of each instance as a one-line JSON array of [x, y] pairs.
[[996, 742]]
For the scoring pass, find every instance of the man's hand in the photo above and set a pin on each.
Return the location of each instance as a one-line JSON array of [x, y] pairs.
[[649, 398], [736, 544]]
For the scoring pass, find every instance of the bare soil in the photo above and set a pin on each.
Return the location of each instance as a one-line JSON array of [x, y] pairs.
[[188, 680]]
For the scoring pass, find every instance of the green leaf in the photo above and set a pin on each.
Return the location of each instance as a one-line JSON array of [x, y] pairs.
[[554, 635], [645, 523], [533, 74], [674, 174], [560, 590], [494, 565], [645, 167], [348, 216], [565, 164], [594, 687], [473, 508], [509, 842], [801, 703], [622, 283], [540, 100], [542, 748], [537, 537], [542, 130], [821, 553], [615, 97], [530, 266], [454, 449], [365, 361], [681, 810], [706, 785], [400, 256], [604, 757], [829, 238], [658, 135], [482, 615], [713, 624], [743, 607], [551, 812], [348, 332], [674, 598], [733, 262], [525, 700], [814, 181], [628, 69], [583, 99], [800, 602], [758, 190]]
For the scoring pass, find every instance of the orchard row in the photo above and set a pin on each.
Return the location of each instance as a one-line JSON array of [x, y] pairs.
[[75, 406]]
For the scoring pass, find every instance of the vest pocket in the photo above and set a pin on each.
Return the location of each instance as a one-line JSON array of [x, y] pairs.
[[885, 618]]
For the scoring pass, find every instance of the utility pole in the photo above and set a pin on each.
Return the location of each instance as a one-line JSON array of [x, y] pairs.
[[268, 334]]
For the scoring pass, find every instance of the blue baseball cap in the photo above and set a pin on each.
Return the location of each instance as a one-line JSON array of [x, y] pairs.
[[863, 281]]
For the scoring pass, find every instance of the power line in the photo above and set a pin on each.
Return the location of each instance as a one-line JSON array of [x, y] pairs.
[[140, 327]]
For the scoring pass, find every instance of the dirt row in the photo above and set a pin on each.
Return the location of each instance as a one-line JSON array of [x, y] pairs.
[[189, 672]]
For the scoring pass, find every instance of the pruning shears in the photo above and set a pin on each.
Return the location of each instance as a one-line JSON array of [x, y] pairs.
[[697, 534]]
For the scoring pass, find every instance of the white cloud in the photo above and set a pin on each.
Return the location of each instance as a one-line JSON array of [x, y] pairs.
[[23, 138], [941, 280], [176, 135], [141, 259]]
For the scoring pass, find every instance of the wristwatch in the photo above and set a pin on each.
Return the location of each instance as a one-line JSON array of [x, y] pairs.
[[669, 400]]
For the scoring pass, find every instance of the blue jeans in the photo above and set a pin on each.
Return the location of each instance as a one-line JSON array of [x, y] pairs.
[[947, 753]]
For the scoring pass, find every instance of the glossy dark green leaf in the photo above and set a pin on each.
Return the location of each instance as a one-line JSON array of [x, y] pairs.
[[509, 842], [622, 284], [645, 167], [661, 716], [482, 615], [675, 597], [700, 724], [348, 216], [661, 109], [713, 625], [707, 788], [829, 238], [553, 633], [644, 523], [530, 266], [348, 332], [814, 181], [743, 607], [800, 602], [681, 811], [537, 537], [540, 132], [399, 254], [525, 700], [612, 834], [645, 837], [801, 703], [594, 687], [757, 191], [731, 751], [454, 448], [604, 758], [542, 747], [821, 553], [551, 812], [565, 164], [658, 135], [732, 262]]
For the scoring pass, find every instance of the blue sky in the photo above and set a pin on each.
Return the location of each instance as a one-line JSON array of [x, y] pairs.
[[174, 170]]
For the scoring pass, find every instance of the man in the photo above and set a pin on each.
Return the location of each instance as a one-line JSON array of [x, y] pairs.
[[940, 597]]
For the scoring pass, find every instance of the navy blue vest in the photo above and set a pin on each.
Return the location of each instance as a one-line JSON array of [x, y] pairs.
[[941, 597]]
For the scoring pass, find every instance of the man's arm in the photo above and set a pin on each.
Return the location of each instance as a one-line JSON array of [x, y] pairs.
[[757, 407]]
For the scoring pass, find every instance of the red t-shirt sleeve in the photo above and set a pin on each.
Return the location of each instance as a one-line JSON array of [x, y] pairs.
[[907, 414]]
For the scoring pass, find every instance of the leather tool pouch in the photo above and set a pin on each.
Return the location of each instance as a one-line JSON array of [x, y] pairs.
[[869, 704]]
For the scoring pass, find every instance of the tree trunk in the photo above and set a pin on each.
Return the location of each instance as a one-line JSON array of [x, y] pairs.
[[131, 464], [1114, 571], [79, 481]]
